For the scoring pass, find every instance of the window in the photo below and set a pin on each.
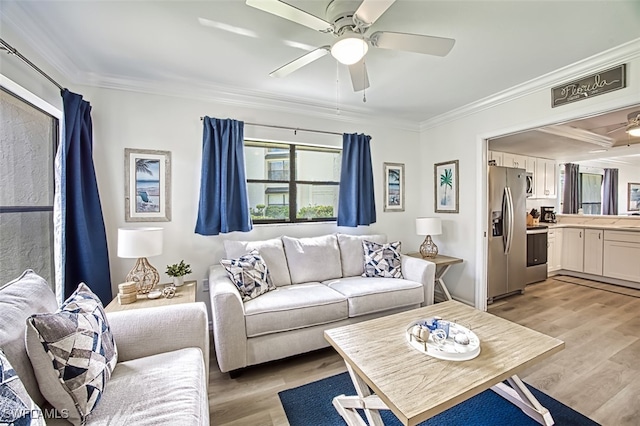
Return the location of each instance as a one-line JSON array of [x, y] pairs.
[[290, 183], [28, 142], [590, 191]]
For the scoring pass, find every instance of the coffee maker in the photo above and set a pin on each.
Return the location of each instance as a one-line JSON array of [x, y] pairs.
[[547, 214]]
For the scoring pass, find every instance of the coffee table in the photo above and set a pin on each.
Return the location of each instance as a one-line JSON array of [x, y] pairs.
[[416, 386]]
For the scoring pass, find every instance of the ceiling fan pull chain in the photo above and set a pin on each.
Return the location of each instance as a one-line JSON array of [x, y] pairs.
[[364, 83]]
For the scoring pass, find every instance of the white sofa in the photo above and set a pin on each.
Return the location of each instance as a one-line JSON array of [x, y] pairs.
[[319, 286], [161, 376]]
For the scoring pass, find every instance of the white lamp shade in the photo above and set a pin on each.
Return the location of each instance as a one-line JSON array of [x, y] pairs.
[[428, 226], [139, 242]]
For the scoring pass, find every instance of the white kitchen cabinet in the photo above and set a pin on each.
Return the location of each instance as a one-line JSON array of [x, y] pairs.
[[573, 249], [554, 254], [530, 164], [514, 160], [621, 255], [545, 178], [593, 250], [497, 157]]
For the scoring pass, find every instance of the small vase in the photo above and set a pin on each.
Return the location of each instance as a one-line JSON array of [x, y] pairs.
[[178, 281]]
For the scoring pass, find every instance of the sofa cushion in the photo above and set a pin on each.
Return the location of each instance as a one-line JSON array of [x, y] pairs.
[[272, 251], [26, 295], [370, 295], [16, 406], [313, 259], [73, 353], [382, 260], [352, 252], [172, 392], [250, 274], [292, 307]]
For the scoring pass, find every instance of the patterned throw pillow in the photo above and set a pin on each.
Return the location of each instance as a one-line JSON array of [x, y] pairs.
[[16, 406], [73, 354], [382, 260], [250, 274]]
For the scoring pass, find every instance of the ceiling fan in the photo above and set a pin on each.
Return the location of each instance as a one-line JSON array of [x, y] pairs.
[[348, 21], [632, 126]]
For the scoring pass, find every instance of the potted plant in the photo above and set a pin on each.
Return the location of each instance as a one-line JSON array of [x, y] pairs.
[[178, 271]]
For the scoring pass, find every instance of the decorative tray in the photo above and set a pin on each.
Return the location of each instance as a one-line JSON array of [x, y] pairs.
[[440, 342]]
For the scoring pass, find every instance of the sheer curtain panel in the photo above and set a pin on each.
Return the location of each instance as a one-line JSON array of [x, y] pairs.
[[356, 205], [224, 202]]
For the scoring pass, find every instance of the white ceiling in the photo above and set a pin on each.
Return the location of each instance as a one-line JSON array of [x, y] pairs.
[[229, 48]]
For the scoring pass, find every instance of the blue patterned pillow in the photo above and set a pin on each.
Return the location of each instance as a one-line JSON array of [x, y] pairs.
[[250, 274], [16, 406], [73, 353], [382, 260]]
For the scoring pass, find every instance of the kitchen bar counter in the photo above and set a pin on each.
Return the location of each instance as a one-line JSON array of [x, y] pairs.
[[592, 226]]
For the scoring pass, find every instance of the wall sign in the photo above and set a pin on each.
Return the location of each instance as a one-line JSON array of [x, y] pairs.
[[587, 87]]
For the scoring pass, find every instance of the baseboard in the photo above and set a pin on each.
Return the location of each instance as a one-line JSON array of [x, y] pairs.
[[600, 278]]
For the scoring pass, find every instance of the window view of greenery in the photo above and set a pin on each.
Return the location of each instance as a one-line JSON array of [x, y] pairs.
[[292, 183], [28, 140]]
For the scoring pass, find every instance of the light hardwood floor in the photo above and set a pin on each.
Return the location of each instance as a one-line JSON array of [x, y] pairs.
[[597, 374]]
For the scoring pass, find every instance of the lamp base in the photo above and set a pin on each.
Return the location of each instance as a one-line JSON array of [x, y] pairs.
[[428, 249], [144, 275]]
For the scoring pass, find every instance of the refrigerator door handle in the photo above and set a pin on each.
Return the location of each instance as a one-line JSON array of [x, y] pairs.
[[509, 199], [505, 220]]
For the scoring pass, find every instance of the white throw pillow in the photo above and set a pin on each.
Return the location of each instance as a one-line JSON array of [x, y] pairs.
[[73, 354], [272, 252], [382, 260], [313, 259], [250, 274]]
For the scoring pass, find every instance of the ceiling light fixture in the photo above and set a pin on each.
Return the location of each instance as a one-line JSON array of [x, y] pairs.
[[349, 48], [633, 128]]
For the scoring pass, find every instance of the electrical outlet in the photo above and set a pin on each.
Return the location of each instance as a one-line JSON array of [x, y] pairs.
[[205, 285]]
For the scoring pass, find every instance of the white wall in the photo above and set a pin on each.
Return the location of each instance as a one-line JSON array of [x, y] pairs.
[[462, 137], [134, 120]]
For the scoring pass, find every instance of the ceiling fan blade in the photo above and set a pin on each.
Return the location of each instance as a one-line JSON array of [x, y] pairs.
[[429, 45], [359, 76], [286, 11], [623, 126], [303, 60], [369, 11]]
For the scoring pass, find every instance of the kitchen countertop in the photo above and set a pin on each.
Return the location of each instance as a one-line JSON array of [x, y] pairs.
[[587, 226]]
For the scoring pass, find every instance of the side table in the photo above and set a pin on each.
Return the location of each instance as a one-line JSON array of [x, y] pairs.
[[443, 263], [184, 294]]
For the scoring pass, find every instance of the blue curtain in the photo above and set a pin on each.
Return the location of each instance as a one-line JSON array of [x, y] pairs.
[[224, 202], [356, 205], [85, 253], [610, 193]]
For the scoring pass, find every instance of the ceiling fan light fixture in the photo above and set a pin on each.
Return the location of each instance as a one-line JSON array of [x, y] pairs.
[[633, 128], [349, 49]]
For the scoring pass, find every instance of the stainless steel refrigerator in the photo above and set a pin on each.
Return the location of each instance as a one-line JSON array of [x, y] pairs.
[[506, 271]]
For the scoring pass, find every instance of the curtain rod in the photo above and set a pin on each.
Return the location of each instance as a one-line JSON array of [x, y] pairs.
[[295, 129], [12, 51]]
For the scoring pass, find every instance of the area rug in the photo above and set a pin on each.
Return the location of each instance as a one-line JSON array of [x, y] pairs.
[[311, 405]]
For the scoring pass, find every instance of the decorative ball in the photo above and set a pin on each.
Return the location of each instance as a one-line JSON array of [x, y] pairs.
[[169, 292], [461, 339]]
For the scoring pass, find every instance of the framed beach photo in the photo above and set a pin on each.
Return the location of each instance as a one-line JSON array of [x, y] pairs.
[[147, 185], [633, 197], [445, 177], [393, 187]]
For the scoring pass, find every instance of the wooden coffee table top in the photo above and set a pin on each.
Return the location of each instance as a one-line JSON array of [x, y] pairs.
[[416, 386]]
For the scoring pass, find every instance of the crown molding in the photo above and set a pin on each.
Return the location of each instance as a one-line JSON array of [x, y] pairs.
[[611, 57], [579, 135]]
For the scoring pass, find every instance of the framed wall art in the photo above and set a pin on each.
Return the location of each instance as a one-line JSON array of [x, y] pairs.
[[393, 187], [445, 177], [633, 197], [147, 185]]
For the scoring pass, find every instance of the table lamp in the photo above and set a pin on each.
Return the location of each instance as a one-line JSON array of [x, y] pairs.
[[428, 226], [141, 243]]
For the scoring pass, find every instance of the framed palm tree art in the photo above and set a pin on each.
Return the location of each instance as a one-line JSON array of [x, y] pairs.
[[147, 185], [446, 187]]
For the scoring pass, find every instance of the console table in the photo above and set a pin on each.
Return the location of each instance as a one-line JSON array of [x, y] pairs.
[[443, 263]]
